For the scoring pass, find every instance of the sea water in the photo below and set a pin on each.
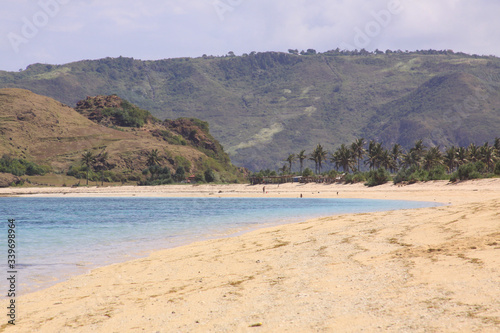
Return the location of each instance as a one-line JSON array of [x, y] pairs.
[[60, 237]]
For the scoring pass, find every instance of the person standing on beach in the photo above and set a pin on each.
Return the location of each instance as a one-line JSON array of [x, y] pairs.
[[264, 189]]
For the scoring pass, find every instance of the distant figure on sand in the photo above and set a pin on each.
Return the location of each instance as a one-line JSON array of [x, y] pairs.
[[264, 189]]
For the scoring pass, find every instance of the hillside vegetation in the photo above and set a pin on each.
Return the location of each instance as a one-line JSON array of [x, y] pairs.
[[262, 106], [39, 135]]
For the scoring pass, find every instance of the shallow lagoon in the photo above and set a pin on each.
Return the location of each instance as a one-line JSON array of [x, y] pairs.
[[60, 237]]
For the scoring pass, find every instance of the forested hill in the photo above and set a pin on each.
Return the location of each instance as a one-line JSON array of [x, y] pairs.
[[263, 106]]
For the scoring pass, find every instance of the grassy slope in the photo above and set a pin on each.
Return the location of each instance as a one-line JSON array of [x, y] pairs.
[[40, 129], [265, 106]]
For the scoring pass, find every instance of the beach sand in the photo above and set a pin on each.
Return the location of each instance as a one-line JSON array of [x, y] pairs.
[[422, 270]]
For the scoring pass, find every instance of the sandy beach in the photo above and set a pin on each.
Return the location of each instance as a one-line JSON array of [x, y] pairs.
[[422, 270]]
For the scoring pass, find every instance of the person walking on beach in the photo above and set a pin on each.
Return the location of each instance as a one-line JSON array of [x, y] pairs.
[[264, 189]]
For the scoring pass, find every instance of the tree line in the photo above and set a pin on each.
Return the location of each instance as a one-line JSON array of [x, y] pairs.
[[419, 163], [97, 167]]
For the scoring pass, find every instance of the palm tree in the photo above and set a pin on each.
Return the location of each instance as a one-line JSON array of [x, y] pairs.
[[314, 157], [432, 158], [374, 152], [462, 155], [396, 153], [450, 159], [371, 154], [321, 154], [497, 145], [419, 148], [101, 164], [385, 161], [488, 155], [318, 156], [301, 157], [410, 159], [153, 158], [344, 157], [358, 150], [283, 169], [290, 160], [474, 153], [88, 159]]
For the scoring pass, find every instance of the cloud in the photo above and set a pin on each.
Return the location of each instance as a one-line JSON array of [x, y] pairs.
[[89, 29]]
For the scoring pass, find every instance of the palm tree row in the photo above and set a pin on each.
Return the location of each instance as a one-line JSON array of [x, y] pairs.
[[97, 162], [350, 157]]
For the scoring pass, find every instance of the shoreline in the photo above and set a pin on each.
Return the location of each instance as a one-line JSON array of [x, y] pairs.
[[442, 191], [306, 266], [86, 265]]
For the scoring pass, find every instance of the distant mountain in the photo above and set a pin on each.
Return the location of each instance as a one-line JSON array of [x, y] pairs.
[[42, 130], [264, 106]]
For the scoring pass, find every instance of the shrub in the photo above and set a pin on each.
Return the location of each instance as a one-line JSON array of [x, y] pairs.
[[209, 176], [413, 175], [467, 171], [497, 168], [20, 167], [180, 174], [438, 173], [418, 175], [481, 167], [401, 176], [377, 177], [332, 174], [199, 178], [128, 115], [348, 179], [79, 172], [307, 172], [358, 177], [181, 161]]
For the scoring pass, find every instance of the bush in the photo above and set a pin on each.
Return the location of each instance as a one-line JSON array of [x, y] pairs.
[[377, 177], [173, 139], [418, 175], [128, 115], [80, 172], [497, 168], [209, 176], [358, 177], [438, 173], [307, 172], [181, 161], [21, 167], [158, 176], [481, 167], [467, 171], [180, 174], [415, 174], [332, 174], [348, 179], [199, 178]]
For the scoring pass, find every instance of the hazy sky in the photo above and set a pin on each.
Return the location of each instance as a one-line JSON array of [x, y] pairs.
[[61, 31]]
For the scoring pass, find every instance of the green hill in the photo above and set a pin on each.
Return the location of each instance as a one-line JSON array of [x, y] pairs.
[[38, 129], [263, 106]]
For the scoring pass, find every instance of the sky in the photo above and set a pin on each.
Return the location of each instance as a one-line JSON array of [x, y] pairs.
[[63, 31]]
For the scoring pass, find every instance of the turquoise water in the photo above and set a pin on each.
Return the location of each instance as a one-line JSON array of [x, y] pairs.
[[60, 237]]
